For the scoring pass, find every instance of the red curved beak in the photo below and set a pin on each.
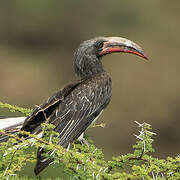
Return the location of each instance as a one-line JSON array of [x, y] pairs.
[[118, 44]]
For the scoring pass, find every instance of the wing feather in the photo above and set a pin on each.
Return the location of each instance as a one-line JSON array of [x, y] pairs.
[[45, 111], [82, 106]]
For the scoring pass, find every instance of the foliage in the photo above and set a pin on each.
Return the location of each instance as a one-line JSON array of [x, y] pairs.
[[12, 108], [87, 161]]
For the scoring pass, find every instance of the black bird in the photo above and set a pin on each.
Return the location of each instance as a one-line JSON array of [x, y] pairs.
[[76, 106]]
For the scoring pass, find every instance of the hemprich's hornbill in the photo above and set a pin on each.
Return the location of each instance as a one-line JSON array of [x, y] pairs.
[[75, 107]]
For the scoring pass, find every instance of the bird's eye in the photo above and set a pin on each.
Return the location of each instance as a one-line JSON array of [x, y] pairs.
[[99, 44]]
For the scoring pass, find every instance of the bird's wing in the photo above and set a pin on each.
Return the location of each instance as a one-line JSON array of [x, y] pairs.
[[76, 112], [44, 111], [79, 109]]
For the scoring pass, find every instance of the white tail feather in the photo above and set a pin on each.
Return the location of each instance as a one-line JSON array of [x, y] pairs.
[[8, 123]]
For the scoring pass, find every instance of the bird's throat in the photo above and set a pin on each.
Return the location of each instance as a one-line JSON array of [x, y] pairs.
[[88, 67]]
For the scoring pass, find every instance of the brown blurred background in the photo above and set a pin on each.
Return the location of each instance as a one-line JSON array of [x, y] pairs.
[[37, 41]]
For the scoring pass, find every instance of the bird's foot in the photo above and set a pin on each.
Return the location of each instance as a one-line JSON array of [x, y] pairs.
[[84, 141]]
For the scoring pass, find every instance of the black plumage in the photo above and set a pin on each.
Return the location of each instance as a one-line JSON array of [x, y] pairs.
[[73, 109]]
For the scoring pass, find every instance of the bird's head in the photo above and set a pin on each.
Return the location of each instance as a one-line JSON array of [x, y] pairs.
[[87, 58]]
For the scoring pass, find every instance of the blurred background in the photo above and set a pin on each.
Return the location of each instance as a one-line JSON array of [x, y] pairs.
[[37, 41]]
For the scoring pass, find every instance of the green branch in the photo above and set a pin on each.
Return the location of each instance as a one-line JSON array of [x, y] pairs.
[[13, 108], [87, 162]]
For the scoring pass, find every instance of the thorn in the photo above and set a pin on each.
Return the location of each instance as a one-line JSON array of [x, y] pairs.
[[6, 171], [50, 139], [75, 177], [105, 169], [68, 147], [32, 144], [94, 151], [171, 173], [5, 154], [141, 132], [162, 175], [42, 147], [77, 167], [97, 176], [53, 152], [157, 174], [151, 132], [144, 146], [102, 125], [153, 175], [139, 124], [138, 137], [93, 175]]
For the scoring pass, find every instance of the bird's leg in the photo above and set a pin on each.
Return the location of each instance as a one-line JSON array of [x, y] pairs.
[[83, 140]]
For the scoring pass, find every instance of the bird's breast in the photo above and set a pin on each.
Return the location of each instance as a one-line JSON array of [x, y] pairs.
[[94, 91], [86, 100]]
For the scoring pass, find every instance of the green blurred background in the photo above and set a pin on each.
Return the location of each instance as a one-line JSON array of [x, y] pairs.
[[37, 41]]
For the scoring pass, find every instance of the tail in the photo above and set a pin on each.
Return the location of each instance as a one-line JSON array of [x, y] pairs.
[[42, 162], [10, 126]]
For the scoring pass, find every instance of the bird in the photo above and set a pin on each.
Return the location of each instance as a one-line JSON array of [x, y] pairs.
[[75, 107]]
